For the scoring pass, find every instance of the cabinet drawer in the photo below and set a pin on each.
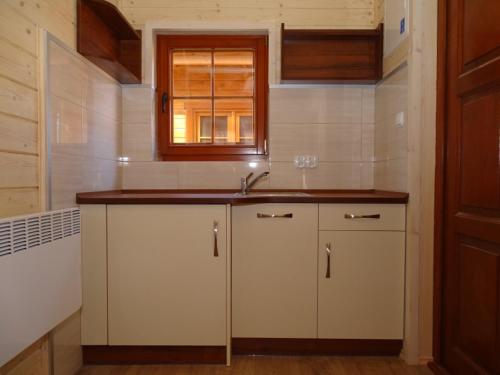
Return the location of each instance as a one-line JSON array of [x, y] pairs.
[[362, 217]]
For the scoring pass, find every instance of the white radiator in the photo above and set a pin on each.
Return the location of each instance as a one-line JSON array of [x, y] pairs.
[[40, 276]]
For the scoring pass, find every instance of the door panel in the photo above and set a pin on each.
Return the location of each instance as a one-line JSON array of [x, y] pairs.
[[165, 286], [480, 180], [481, 29], [364, 296], [470, 273], [478, 264]]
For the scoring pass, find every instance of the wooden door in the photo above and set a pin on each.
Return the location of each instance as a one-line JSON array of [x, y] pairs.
[[274, 292], [362, 295], [470, 270], [166, 286]]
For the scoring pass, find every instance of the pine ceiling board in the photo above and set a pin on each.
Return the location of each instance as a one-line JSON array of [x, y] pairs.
[[47, 16], [18, 100], [302, 4], [18, 135], [18, 170], [17, 64], [326, 18], [16, 29]]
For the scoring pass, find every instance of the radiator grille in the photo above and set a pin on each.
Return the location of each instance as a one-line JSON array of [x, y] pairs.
[[23, 233]]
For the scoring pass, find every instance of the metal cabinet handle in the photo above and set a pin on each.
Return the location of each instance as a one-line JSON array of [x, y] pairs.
[[216, 231], [353, 216], [328, 256], [274, 216]]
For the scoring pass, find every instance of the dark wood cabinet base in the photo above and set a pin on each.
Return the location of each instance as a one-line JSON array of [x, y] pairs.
[[127, 355], [263, 346]]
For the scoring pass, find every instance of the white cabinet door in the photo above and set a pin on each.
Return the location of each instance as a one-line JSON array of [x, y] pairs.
[[274, 268], [364, 296], [166, 286]]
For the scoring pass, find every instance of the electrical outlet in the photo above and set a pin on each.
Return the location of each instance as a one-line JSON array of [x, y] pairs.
[[305, 161]]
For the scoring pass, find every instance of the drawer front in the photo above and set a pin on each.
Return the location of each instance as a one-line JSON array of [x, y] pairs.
[[362, 217]]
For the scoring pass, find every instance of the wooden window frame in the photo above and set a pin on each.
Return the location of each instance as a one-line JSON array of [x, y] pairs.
[[169, 151]]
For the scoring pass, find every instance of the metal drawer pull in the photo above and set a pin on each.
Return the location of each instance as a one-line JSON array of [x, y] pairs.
[[328, 255], [216, 230], [274, 216], [353, 216]]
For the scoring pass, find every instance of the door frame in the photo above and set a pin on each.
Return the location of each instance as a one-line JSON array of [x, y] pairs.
[[439, 205]]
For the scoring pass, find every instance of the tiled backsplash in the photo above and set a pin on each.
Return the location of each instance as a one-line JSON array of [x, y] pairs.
[[391, 141], [85, 127], [333, 122]]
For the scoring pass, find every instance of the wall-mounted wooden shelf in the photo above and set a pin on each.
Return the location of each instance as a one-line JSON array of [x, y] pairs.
[[331, 56], [105, 37]]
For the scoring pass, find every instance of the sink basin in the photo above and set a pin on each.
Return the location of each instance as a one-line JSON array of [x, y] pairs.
[[273, 194]]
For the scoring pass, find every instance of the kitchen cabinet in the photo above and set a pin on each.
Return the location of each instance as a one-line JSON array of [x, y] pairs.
[[105, 37], [274, 270], [167, 274], [334, 56], [155, 275], [361, 272]]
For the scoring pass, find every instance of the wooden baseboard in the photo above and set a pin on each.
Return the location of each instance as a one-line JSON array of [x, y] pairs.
[[437, 369], [267, 346], [127, 355]]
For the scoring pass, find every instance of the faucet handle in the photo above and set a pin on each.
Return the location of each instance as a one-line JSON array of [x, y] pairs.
[[249, 175]]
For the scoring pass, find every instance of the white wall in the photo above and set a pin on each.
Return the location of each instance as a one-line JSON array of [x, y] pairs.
[[394, 12]]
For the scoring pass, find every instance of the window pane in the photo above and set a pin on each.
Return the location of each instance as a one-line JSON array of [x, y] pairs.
[[222, 129], [234, 73], [246, 129], [192, 72], [192, 121], [231, 116]]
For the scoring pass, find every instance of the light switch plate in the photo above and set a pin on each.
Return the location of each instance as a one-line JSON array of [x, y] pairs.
[[399, 120]]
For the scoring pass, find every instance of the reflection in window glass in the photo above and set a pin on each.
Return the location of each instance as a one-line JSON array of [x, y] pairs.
[[213, 96]]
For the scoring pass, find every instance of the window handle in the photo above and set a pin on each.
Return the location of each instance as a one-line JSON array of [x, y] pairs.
[[164, 99]]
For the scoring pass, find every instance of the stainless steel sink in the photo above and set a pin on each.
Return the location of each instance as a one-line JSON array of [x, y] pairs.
[[272, 194]]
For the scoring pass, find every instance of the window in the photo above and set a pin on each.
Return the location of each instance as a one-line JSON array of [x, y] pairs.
[[212, 96]]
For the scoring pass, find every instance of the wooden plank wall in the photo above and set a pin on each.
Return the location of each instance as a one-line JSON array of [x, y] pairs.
[[294, 13], [19, 122], [19, 117]]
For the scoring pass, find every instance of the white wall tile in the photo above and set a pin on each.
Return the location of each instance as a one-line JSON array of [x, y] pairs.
[[284, 175], [339, 104], [330, 142], [335, 123], [85, 123], [150, 175], [390, 141], [224, 175]]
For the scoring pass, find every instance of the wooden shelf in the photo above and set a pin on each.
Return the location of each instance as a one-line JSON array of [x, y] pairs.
[[331, 56], [105, 37]]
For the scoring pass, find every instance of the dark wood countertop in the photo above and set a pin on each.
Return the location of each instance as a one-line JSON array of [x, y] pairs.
[[224, 196]]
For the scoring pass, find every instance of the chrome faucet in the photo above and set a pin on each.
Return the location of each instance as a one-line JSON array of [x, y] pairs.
[[246, 184]]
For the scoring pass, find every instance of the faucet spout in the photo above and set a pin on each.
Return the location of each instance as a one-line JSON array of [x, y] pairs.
[[246, 185]]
